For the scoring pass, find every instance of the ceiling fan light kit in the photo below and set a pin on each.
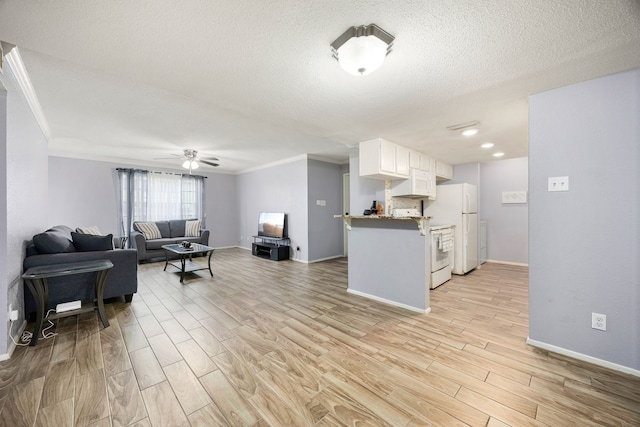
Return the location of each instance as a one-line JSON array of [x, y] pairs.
[[362, 50]]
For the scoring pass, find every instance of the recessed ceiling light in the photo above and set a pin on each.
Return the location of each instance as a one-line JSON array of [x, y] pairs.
[[469, 132], [498, 154], [487, 145]]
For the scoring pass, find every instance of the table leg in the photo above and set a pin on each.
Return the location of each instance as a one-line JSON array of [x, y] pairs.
[[37, 287], [100, 280], [209, 261], [166, 259], [183, 261]]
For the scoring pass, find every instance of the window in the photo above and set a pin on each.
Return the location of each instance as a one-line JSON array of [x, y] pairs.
[[156, 196]]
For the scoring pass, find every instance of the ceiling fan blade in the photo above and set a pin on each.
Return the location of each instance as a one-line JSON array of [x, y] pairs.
[[209, 163], [215, 159], [175, 156]]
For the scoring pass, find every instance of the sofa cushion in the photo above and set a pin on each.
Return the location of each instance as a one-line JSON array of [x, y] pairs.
[[55, 240], [93, 230], [89, 242], [157, 243], [148, 229], [177, 227], [164, 228], [192, 228]]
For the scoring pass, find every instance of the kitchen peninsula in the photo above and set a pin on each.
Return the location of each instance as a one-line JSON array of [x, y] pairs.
[[389, 259]]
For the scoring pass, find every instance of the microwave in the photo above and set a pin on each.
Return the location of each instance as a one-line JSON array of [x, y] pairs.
[[419, 184]]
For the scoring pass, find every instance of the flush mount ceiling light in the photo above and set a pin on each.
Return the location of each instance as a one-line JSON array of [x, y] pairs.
[[361, 50], [487, 145], [498, 154]]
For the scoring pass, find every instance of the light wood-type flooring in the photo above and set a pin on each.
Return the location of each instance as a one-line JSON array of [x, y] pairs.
[[283, 344]]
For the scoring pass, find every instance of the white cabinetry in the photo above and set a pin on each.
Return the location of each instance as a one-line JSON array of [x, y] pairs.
[[443, 171], [383, 159], [421, 161]]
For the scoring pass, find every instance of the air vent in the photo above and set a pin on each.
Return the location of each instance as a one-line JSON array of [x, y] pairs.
[[462, 126]]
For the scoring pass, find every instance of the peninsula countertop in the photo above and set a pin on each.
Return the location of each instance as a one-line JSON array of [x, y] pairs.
[[422, 221]]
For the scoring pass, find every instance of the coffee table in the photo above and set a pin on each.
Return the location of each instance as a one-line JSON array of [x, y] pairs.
[[187, 266]]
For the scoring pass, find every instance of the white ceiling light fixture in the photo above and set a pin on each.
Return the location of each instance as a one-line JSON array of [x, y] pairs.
[[190, 164], [361, 50], [498, 154], [469, 132], [487, 145]]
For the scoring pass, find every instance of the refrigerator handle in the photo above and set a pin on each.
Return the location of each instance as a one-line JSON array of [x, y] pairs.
[[467, 206]]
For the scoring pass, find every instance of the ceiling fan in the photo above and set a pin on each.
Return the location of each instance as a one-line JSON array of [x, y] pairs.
[[191, 160]]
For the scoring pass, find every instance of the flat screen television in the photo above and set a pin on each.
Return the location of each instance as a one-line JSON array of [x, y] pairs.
[[272, 224]]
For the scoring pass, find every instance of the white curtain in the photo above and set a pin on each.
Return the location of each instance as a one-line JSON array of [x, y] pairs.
[[164, 197], [155, 196]]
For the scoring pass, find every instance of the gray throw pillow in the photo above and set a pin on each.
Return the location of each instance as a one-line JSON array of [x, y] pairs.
[[53, 241], [90, 242]]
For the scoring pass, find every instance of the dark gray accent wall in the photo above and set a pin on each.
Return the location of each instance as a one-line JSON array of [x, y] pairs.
[[280, 188], [325, 231], [507, 224], [584, 244], [23, 207], [86, 193]]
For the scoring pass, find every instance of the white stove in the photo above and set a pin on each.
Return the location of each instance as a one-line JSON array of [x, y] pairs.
[[442, 238]]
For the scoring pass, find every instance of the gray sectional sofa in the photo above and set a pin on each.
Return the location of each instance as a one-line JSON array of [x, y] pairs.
[[172, 231], [59, 245]]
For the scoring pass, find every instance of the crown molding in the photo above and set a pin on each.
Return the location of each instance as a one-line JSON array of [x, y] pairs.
[[14, 60]]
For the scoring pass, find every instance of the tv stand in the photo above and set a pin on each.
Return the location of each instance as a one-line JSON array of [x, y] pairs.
[[273, 248]]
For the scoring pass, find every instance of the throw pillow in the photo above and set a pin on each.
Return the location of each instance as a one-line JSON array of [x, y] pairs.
[[93, 230], [53, 241], [149, 230], [192, 228], [90, 242]]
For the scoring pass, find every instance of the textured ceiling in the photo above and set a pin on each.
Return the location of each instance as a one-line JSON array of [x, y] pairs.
[[254, 82]]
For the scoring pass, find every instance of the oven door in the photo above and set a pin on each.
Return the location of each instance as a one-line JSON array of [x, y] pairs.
[[439, 258]]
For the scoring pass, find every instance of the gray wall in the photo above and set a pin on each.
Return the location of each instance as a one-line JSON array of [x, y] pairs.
[[585, 243], [507, 224], [363, 191], [466, 173], [85, 193], [281, 188], [325, 231], [23, 209]]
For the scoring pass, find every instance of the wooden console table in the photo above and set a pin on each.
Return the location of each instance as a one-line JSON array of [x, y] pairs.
[[36, 280]]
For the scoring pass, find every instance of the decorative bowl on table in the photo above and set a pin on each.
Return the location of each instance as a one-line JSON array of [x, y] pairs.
[[186, 245]]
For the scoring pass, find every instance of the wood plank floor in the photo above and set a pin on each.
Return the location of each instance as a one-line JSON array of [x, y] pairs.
[[283, 344]]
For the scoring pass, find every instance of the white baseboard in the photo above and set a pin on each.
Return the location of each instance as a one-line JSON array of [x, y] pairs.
[[326, 259], [521, 264], [386, 301], [12, 345], [584, 357]]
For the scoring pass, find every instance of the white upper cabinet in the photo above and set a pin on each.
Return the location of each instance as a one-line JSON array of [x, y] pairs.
[[421, 161], [443, 171], [402, 160], [383, 159]]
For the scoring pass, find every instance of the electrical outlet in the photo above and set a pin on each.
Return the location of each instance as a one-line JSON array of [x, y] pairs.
[[558, 183], [599, 321], [13, 314]]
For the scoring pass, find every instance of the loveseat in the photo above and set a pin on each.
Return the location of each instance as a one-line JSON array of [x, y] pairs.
[[59, 245], [149, 237]]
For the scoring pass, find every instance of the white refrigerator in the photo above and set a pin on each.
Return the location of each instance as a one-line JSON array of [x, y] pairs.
[[457, 204]]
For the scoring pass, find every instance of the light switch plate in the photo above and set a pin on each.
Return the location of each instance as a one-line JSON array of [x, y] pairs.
[[559, 183]]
